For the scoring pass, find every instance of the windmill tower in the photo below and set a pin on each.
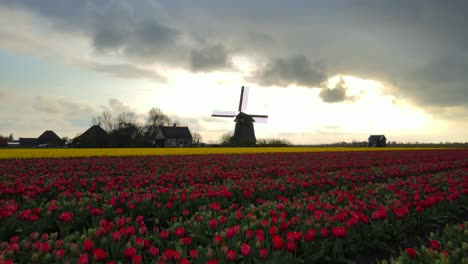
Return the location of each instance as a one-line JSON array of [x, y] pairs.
[[244, 133]]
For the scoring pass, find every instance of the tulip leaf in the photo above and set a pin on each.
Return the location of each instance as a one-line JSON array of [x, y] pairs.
[[315, 256]]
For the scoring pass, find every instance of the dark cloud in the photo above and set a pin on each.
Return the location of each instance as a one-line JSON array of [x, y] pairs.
[[140, 40], [442, 82], [209, 58], [294, 70], [126, 70], [336, 94], [419, 45]]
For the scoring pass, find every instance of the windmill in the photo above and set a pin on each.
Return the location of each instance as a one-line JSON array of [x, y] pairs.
[[244, 133]]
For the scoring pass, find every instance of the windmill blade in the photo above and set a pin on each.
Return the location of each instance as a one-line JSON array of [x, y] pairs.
[[260, 119], [259, 116], [244, 98], [219, 113]]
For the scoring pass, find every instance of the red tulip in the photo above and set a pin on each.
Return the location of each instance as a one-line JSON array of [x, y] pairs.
[[231, 255], [245, 249], [130, 252], [179, 232], [66, 217], [213, 223], [411, 252], [290, 246], [338, 231], [186, 241], [434, 244], [309, 235], [99, 254], [278, 242], [154, 251], [88, 245], [83, 259], [193, 254], [137, 259]]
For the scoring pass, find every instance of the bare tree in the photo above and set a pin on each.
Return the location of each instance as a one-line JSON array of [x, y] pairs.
[[107, 121], [104, 120], [125, 119], [155, 119], [196, 138], [225, 138]]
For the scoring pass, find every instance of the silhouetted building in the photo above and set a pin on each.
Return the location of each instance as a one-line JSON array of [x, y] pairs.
[[244, 133], [50, 139], [3, 142], [94, 137], [28, 142], [377, 141], [173, 136]]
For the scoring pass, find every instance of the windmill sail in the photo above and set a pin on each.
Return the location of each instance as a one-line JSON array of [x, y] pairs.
[[244, 98], [219, 113]]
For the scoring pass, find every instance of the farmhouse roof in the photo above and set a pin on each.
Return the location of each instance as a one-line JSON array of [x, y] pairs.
[[377, 137], [28, 141], [175, 132], [94, 131], [49, 136]]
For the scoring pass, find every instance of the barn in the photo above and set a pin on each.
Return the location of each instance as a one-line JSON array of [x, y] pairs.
[[173, 136], [377, 141], [50, 139], [28, 142], [94, 137]]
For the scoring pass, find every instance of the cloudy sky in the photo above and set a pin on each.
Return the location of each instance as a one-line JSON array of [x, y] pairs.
[[324, 71]]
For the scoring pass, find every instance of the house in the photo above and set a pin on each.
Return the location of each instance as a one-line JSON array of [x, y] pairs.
[[94, 137], [3, 141], [28, 142], [173, 136], [377, 141], [14, 143], [50, 139]]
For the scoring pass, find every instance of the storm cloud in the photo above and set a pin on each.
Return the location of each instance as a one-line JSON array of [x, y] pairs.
[[417, 46], [209, 58], [336, 94], [293, 70]]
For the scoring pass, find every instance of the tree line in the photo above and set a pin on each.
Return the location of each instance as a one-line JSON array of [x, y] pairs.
[[125, 130]]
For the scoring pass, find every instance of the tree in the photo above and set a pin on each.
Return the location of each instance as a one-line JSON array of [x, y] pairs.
[[196, 138], [126, 132], [226, 138], [125, 119], [10, 137], [66, 140], [155, 119], [105, 120]]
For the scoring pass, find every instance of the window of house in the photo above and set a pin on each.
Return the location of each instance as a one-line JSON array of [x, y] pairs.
[[171, 142]]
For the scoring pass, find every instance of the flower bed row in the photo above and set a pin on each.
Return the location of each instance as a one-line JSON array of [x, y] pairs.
[[296, 207]]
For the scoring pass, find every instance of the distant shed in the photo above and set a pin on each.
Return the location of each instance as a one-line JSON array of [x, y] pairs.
[[377, 141]]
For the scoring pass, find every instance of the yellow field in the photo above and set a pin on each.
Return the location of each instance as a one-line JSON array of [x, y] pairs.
[[65, 153]]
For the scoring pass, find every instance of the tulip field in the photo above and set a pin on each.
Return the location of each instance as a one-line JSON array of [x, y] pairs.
[[279, 207]]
